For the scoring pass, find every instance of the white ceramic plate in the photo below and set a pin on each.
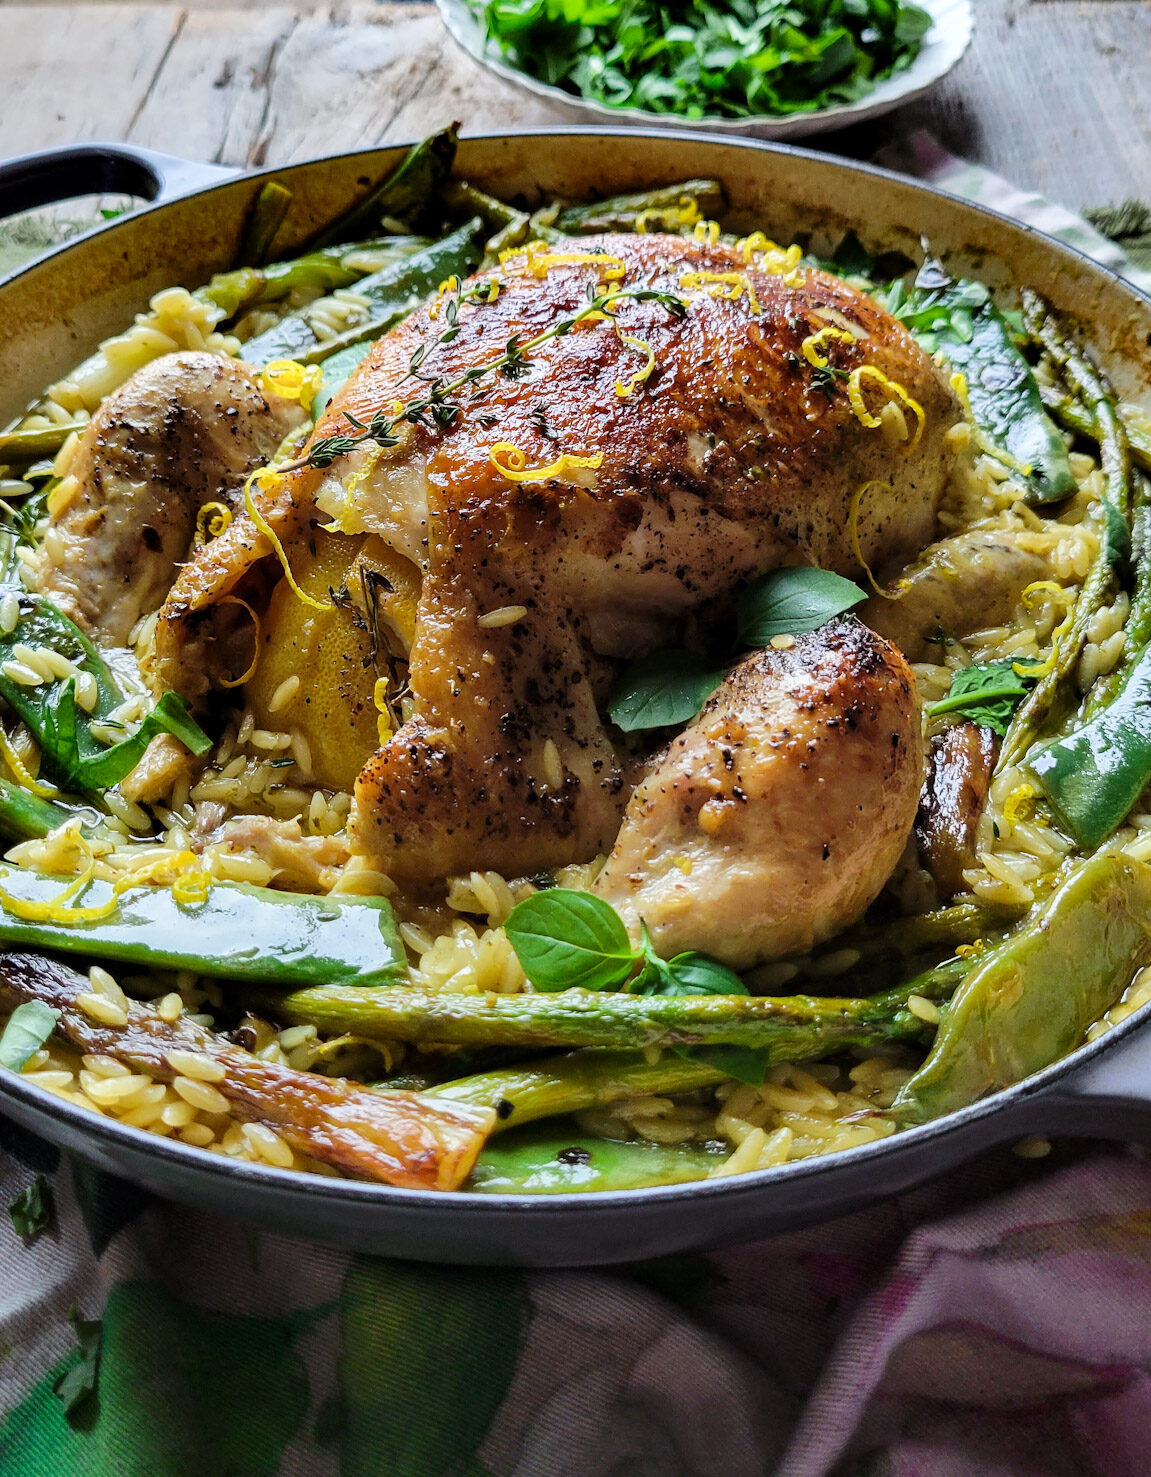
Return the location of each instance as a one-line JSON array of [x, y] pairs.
[[942, 48]]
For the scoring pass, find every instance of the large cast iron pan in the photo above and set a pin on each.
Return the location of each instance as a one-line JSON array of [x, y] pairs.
[[54, 311]]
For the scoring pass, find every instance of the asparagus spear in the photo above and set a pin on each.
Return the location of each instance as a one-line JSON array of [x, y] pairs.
[[793, 1026], [1076, 417], [621, 212], [401, 1138], [409, 195], [1055, 693]]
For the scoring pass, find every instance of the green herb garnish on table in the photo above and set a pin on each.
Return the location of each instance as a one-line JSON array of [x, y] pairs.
[[697, 59]]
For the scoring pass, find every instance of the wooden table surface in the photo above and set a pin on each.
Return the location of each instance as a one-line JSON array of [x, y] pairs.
[[1054, 94]]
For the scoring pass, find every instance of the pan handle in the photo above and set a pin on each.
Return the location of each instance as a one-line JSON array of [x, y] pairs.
[[1108, 1097], [33, 180]]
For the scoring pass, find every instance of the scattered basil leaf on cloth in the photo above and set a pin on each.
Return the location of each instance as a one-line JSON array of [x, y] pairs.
[[569, 940], [986, 693], [662, 690], [32, 1211], [78, 1381], [29, 1026]]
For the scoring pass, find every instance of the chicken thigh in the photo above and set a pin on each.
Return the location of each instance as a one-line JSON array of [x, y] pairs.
[[776, 817], [620, 479]]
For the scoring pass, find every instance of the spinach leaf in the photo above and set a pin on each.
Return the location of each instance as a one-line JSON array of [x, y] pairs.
[[789, 602], [31, 1212], [743, 1063], [987, 693], [78, 762], [662, 690], [1117, 535], [78, 1382], [29, 1026], [568, 940]]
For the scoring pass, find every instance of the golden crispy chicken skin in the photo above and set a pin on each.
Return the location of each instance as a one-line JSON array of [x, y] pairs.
[[183, 431], [776, 817], [733, 455]]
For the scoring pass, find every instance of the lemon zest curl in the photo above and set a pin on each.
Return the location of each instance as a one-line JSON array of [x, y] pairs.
[[515, 464]]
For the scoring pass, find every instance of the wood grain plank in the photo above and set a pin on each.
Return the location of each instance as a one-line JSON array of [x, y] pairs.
[[88, 82], [1054, 94]]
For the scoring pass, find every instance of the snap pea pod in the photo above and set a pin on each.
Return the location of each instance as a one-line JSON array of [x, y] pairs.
[[265, 218], [71, 755], [24, 816], [550, 1160], [609, 1019], [409, 195], [238, 933], [338, 369], [621, 212], [1002, 391], [1032, 999], [390, 295], [1093, 776]]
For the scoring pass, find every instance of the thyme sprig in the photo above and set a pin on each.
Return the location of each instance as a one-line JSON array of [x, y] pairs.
[[436, 406]]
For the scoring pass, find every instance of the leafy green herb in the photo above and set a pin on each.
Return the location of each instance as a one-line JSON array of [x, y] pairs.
[[78, 1382], [78, 762], [31, 1212], [987, 694], [743, 1063], [791, 602], [699, 59], [685, 974], [851, 257], [29, 1026], [662, 690], [569, 940]]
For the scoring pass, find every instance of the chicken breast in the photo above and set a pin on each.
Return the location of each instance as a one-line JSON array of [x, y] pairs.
[[184, 430], [776, 817], [629, 475], [958, 586]]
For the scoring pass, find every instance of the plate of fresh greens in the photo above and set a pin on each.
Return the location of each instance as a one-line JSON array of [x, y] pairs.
[[770, 68]]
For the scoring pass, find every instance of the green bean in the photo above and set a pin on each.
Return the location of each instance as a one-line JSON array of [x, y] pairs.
[[266, 217], [1032, 999], [390, 294], [238, 932], [408, 196], [620, 212]]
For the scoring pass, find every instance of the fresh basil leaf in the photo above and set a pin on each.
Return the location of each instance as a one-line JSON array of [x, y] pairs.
[[77, 762], [1117, 537], [78, 1381], [567, 940], [986, 693], [29, 1026], [789, 602], [743, 1063], [31, 1212], [699, 974], [662, 690]]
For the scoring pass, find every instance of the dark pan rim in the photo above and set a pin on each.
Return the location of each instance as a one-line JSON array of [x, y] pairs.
[[369, 1192], [359, 1192]]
